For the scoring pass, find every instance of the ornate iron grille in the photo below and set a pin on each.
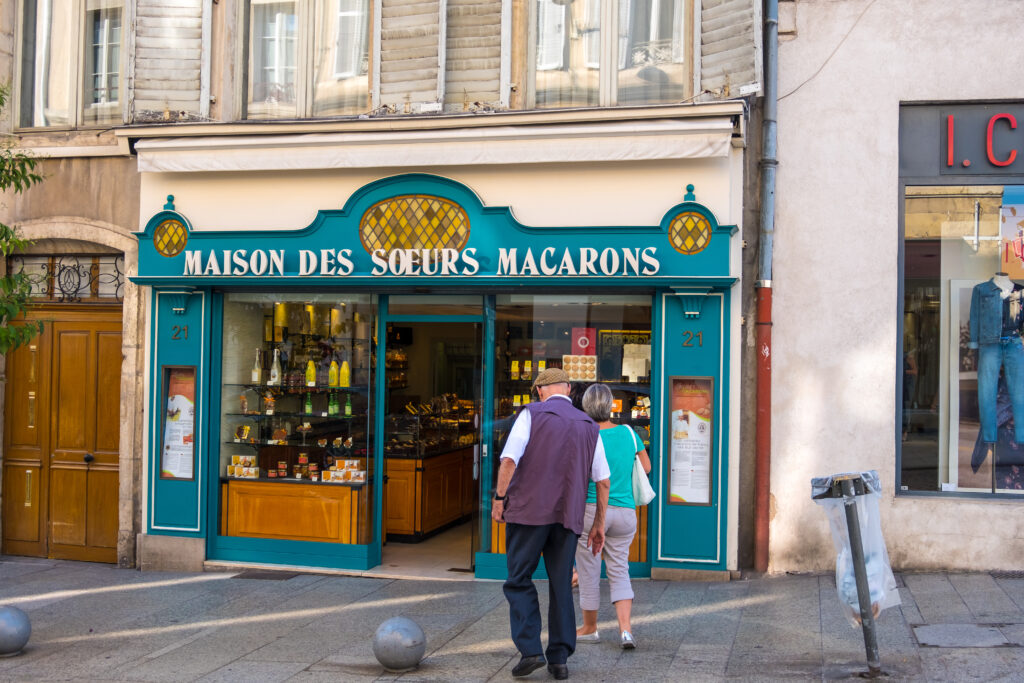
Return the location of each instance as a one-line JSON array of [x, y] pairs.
[[689, 232], [414, 222], [73, 278]]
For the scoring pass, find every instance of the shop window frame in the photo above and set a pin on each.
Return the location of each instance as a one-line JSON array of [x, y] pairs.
[[904, 183]]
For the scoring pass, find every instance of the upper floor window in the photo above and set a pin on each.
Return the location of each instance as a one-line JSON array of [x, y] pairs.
[[608, 52], [70, 63], [306, 58]]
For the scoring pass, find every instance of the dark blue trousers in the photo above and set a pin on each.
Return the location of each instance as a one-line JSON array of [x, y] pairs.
[[524, 546]]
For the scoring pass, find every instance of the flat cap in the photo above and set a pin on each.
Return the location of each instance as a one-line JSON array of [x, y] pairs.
[[551, 376]]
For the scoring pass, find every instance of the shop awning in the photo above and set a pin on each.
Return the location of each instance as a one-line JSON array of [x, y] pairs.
[[688, 138]]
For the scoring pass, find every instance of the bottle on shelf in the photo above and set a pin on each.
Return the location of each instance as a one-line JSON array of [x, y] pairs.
[[308, 405], [275, 369], [332, 374], [257, 370], [332, 404], [310, 374], [344, 375], [348, 405]]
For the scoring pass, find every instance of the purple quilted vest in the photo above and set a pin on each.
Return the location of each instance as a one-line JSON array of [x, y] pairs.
[[550, 483]]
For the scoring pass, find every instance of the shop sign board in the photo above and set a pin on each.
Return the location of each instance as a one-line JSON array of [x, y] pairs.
[[368, 241], [956, 138]]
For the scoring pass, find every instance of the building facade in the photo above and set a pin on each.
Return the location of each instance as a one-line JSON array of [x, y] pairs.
[[898, 205], [353, 231]]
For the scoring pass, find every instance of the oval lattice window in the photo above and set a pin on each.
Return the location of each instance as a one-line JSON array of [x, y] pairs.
[[689, 232], [170, 237], [414, 222]]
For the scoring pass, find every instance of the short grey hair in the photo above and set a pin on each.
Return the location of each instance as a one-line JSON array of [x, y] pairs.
[[597, 402]]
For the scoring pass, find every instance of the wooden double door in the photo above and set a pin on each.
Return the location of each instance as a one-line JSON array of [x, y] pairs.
[[61, 437]]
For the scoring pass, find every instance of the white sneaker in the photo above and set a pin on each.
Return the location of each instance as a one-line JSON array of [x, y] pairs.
[[594, 637], [627, 641]]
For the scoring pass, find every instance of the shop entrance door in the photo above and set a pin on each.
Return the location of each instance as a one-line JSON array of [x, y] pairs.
[[61, 437], [433, 406]]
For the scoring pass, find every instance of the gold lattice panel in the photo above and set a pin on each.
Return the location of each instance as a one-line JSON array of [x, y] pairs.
[[689, 232], [170, 237], [414, 222]]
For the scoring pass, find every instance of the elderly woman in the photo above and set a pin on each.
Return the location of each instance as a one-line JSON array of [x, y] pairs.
[[621, 446]]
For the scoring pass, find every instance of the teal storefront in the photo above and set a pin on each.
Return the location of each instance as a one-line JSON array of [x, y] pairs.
[[329, 396]]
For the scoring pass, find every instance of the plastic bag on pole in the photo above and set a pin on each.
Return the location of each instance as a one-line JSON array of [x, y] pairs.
[[881, 582]]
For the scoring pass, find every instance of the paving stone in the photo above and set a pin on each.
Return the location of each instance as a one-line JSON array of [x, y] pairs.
[[1013, 633], [253, 672], [986, 599], [959, 635], [937, 600]]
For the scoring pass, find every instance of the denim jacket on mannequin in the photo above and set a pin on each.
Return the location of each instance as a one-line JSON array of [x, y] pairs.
[[986, 323]]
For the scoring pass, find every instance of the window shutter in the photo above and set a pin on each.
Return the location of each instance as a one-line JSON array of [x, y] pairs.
[[473, 61], [409, 52], [168, 56], [728, 45]]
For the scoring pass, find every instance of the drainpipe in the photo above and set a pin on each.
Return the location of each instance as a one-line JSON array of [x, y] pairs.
[[763, 287]]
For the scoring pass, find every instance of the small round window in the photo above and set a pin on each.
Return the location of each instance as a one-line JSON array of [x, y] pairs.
[[170, 237], [689, 232]]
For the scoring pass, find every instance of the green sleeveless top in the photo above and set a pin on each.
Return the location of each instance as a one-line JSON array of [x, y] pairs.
[[621, 450]]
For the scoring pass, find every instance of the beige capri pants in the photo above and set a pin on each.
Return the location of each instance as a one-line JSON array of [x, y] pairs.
[[619, 529]]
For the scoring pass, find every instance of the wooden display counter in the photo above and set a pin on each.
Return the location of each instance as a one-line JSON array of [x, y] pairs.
[[426, 494], [332, 513], [637, 549]]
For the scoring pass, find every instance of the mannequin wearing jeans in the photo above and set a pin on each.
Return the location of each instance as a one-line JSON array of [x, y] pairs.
[[995, 331]]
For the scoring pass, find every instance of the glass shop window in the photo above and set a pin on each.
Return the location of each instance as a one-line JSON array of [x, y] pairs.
[[296, 452], [594, 338], [962, 426]]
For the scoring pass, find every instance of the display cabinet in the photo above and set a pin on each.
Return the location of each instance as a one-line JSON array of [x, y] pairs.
[[430, 455], [296, 448]]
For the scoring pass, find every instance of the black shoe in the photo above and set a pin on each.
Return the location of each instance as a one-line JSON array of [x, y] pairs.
[[559, 671], [527, 665]]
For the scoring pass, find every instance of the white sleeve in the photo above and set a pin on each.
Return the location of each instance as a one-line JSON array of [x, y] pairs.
[[600, 471], [515, 445]]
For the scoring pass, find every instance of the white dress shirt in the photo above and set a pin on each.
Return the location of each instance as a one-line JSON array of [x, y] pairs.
[[515, 446]]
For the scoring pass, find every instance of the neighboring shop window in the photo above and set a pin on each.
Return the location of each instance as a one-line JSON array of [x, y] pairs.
[[594, 338], [572, 63], [962, 354], [297, 439], [307, 59], [71, 65], [72, 278]]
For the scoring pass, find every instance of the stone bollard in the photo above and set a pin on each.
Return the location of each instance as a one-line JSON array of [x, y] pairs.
[[399, 644], [15, 630]]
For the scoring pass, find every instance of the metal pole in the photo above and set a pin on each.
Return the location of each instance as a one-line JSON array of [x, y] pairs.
[[867, 621]]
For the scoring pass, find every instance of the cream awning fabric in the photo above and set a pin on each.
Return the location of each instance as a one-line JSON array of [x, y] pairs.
[[685, 138]]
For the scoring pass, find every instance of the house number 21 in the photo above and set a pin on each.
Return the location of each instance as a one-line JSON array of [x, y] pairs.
[[690, 337], [179, 332]]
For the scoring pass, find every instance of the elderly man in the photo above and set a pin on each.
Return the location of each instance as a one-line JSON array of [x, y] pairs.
[[552, 453]]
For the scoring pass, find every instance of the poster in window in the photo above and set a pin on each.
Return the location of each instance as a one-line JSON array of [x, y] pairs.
[[177, 453], [691, 424], [1011, 232]]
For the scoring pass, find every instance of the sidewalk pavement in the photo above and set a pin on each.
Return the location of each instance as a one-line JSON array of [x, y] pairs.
[[93, 622]]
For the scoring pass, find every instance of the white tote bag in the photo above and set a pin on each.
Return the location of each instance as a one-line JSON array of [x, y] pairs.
[[642, 491]]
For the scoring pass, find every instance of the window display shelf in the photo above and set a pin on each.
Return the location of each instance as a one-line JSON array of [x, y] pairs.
[[318, 416], [300, 388], [293, 480]]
